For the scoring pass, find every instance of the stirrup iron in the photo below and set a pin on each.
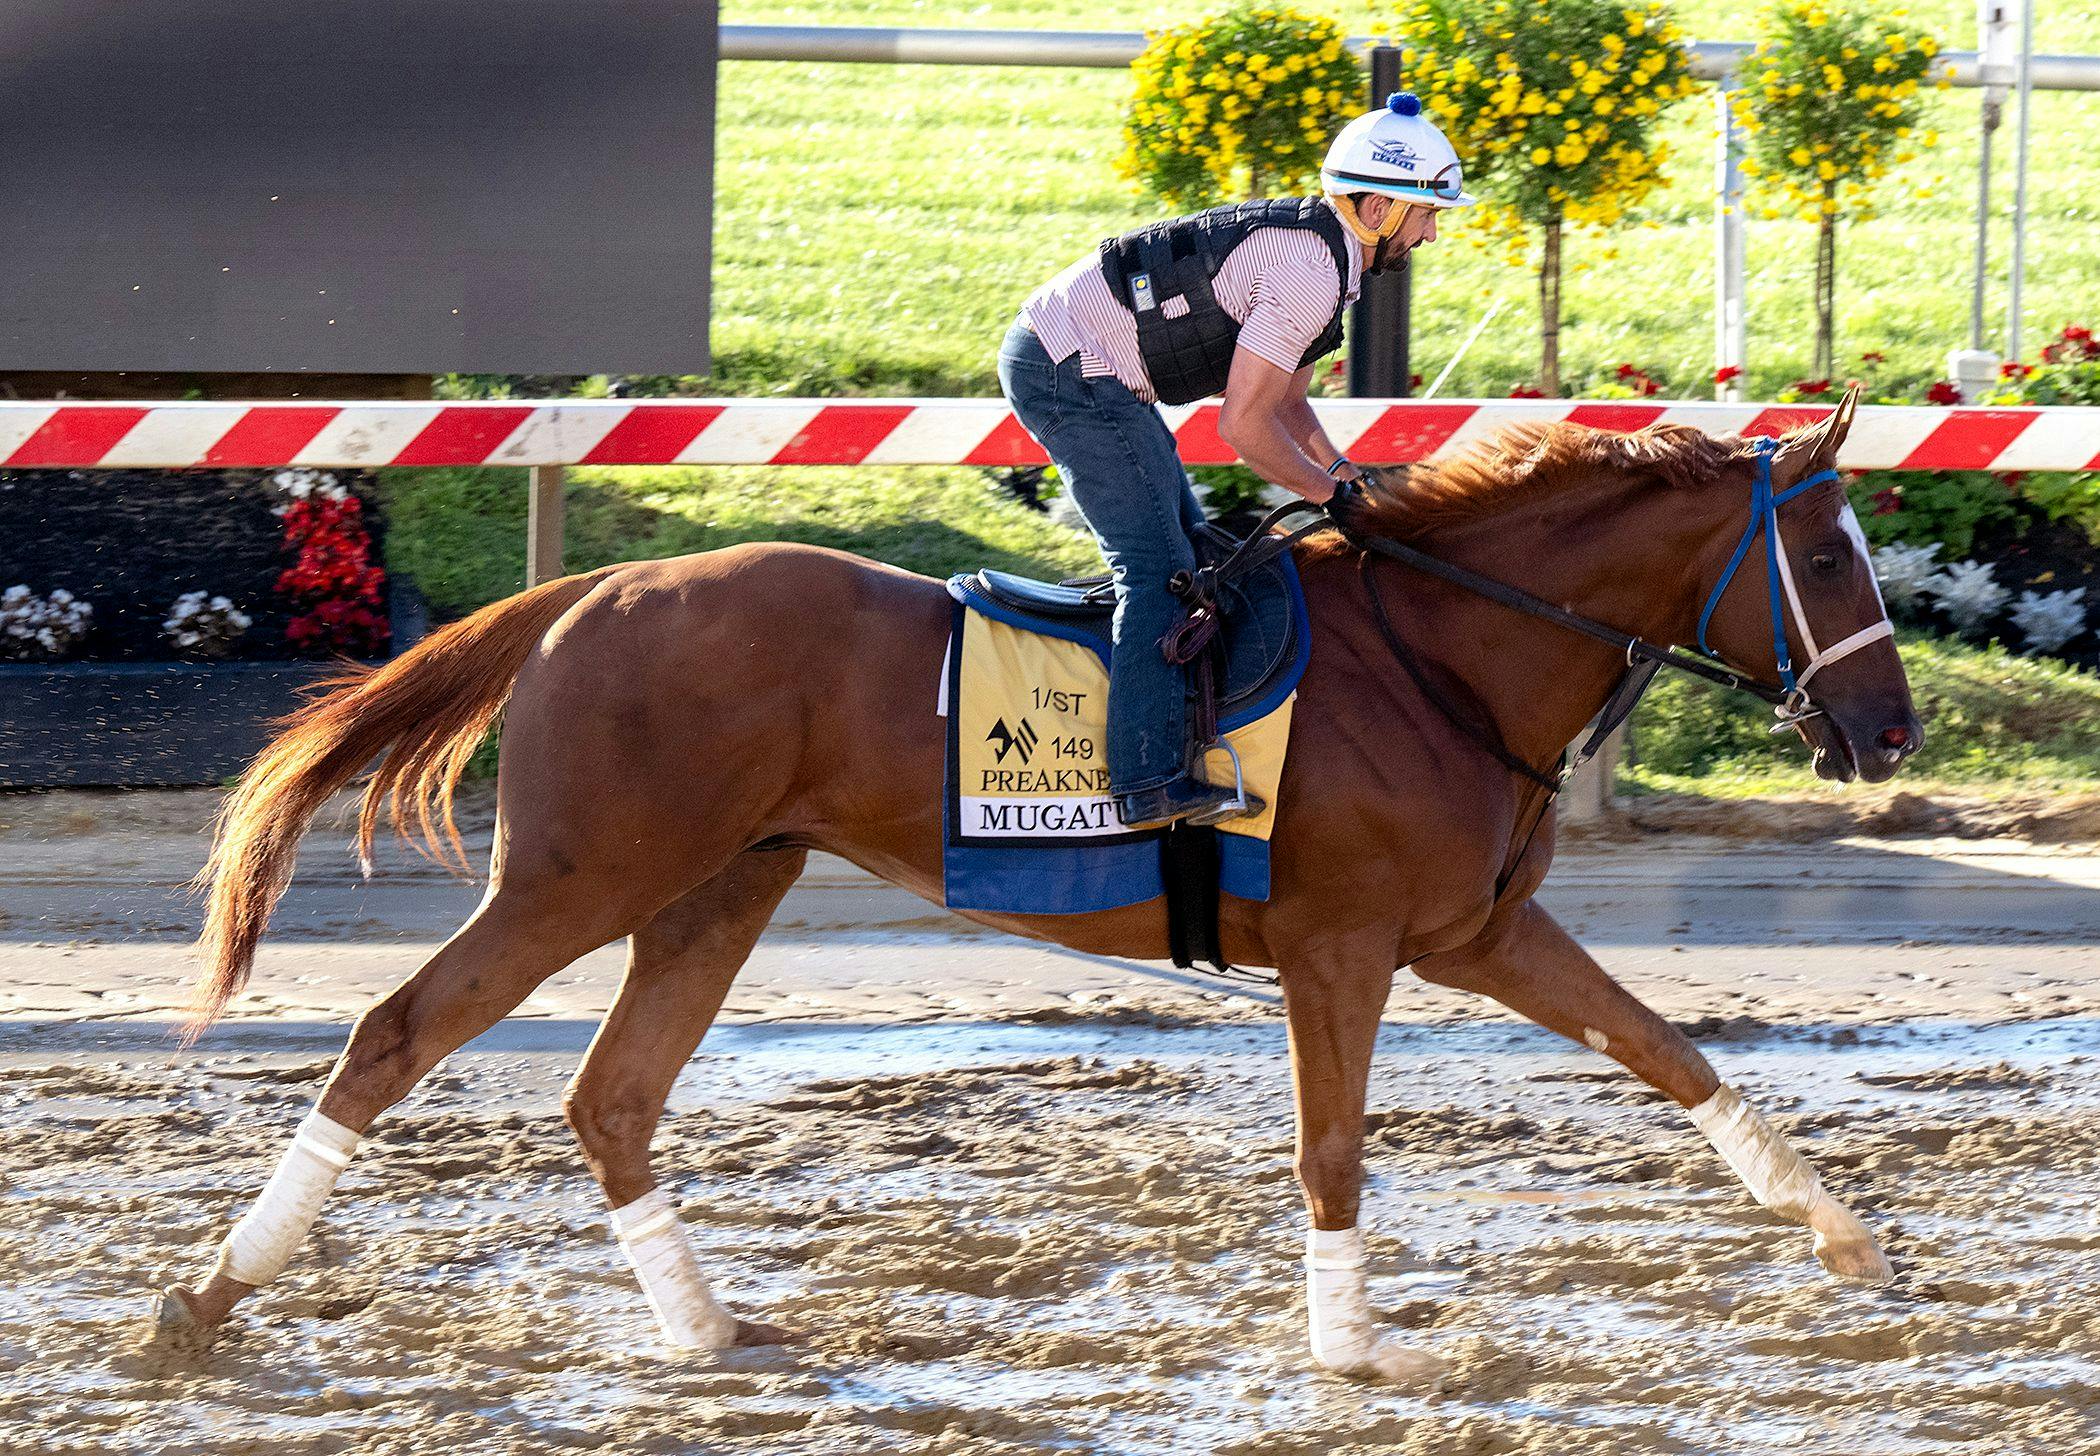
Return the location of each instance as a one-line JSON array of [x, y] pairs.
[[1238, 805]]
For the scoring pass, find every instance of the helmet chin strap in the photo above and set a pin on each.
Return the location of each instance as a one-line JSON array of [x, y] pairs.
[[1378, 239], [1370, 236]]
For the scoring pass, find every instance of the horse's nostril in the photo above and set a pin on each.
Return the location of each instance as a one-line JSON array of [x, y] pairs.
[[1896, 739]]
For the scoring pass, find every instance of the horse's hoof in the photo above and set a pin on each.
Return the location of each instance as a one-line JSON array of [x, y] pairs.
[[1396, 1364], [1856, 1261], [175, 1328], [756, 1332]]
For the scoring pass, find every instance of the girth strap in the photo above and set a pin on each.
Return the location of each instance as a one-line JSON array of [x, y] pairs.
[[1617, 709]]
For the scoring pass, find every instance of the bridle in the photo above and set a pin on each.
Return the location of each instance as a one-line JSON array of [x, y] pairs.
[[1793, 705]]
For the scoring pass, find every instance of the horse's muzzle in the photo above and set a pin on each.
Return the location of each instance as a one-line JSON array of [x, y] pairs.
[[1842, 756]]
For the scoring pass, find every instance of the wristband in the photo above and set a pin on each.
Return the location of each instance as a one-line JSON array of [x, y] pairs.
[[1340, 462]]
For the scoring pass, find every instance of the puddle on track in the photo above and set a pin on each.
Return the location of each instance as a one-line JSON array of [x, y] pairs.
[[1075, 1237]]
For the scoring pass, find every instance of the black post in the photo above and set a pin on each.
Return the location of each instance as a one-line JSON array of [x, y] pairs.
[[1379, 319]]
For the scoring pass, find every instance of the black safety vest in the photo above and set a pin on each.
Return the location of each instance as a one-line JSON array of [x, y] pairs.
[[1189, 357]]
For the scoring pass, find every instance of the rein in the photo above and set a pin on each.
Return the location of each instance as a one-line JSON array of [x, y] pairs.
[[1644, 659]]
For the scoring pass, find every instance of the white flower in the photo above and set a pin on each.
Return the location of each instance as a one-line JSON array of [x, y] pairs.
[[300, 484], [31, 625], [1968, 594], [201, 623], [2048, 622], [1906, 572]]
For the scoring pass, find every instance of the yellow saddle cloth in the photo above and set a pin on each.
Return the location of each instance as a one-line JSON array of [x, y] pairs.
[[1031, 826]]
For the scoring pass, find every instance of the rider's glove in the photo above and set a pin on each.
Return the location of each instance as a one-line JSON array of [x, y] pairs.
[[1349, 509]]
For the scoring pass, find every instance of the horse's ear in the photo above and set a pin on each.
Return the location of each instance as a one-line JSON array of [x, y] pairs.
[[1839, 424], [1817, 448]]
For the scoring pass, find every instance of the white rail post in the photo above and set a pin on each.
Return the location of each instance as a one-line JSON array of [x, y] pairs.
[[543, 525], [2014, 302], [1731, 324]]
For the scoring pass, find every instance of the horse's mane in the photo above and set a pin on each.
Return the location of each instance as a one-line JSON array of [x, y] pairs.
[[1522, 463]]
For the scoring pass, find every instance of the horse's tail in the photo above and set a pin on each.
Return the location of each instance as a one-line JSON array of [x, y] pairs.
[[427, 711]]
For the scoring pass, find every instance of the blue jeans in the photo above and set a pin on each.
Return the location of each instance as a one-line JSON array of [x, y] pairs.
[[1118, 463]]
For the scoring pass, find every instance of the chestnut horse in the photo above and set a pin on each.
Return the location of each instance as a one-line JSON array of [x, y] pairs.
[[678, 735]]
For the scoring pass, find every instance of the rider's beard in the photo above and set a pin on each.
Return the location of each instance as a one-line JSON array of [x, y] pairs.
[[1390, 254]]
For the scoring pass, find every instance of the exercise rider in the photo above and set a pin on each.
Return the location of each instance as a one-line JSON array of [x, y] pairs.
[[1239, 301]]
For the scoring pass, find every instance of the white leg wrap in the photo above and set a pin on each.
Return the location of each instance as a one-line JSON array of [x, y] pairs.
[[655, 1241], [1775, 1174], [267, 1236], [1339, 1311], [1782, 1181]]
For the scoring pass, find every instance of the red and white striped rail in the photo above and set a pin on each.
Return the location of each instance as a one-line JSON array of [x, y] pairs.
[[931, 432]]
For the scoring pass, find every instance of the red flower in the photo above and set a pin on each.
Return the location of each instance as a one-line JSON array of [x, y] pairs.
[[332, 582], [1627, 371], [2013, 369], [1873, 356], [2074, 345], [1943, 391], [1414, 381], [1811, 386], [1887, 501], [1527, 391], [1727, 373]]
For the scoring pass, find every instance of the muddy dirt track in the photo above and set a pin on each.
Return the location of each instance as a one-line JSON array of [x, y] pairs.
[[1020, 1202]]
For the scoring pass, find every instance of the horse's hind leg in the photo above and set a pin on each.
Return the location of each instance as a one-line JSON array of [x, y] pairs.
[[679, 968], [516, 940], [1536, 969]]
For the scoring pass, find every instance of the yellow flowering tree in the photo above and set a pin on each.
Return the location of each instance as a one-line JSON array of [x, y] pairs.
[[1238, 105], [1553, 109], [1831, 100]]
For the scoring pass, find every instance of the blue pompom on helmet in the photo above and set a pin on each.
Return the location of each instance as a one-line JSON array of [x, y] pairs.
[[1397, 152]]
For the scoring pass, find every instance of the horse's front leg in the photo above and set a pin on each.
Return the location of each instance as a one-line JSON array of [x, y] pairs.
[[1333, 1003], [1531, 965]]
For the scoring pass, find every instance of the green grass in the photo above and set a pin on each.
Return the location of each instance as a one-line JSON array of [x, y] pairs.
[[460, 533], [879, 225]]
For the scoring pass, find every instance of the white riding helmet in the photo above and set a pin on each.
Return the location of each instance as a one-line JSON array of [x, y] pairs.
[[1396, 151]]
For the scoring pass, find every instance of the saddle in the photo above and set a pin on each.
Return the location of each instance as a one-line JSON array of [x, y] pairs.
[[1245, 640], [1241, 634]]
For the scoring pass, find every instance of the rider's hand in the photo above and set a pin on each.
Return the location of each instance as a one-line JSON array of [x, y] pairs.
[[1349, 508]]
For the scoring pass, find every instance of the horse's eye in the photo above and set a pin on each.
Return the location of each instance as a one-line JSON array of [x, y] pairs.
[[1824, 561]]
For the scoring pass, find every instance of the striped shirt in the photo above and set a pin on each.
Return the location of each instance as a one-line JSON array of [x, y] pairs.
[[1278, 284]]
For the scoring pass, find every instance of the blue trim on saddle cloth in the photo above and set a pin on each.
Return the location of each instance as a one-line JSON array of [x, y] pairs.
[[1081, 879]]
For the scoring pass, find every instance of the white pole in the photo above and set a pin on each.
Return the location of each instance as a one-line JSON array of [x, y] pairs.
[[1731, 322], [1994, 61], [1445, 373], [2019, 237]]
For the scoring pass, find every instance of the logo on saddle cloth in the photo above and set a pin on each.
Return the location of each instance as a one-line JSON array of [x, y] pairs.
[[1020, 740], [1028, 761]]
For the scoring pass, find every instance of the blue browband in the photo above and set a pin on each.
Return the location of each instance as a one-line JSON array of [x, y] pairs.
[[1764, 516]]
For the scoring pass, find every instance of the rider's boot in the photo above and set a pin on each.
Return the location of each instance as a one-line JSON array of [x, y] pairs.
[[1186, 800]]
